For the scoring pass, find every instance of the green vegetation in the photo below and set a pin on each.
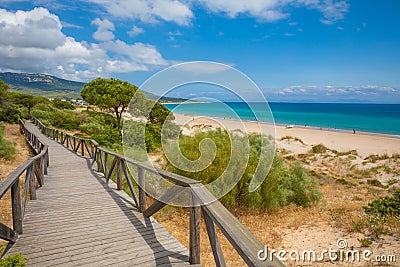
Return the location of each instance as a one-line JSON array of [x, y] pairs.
[[287, 137], [7, 149], [382, 216], [17, 260], [318, 149], [111, 95], [284, 185], [365, 242], [385, 206], [63, 104]]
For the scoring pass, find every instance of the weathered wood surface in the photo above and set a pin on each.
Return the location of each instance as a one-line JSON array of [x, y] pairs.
[[79, 220]]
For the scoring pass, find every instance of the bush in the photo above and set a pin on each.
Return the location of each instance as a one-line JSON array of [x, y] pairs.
[[17, 260], [7, 149], [283, 186], [51, 116], [318, 149], [12, 113], [58, 103], [151, 139], [385, 206]]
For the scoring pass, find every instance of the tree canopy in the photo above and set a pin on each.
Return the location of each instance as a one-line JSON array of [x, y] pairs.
[[28, 101], [111, 94], [159, 113]]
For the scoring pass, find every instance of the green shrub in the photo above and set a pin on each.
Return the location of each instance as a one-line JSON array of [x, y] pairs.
[[12, 113], [148, 136], [7, 149], [284, 185], [318, 149], [385, 206], [58, 103], [17, 260]]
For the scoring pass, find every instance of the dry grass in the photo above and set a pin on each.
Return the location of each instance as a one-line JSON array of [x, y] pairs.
[[289, 227], [11, 133]]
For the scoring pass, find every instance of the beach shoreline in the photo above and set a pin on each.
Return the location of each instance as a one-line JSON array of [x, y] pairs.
[[365, 143]]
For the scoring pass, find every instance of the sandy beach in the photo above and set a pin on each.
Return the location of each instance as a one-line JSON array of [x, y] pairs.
[[365, 143]]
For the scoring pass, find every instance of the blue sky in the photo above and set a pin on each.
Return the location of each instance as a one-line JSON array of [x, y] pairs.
[[295, 50]]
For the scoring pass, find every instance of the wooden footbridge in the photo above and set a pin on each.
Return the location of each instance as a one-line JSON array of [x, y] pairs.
[[67, 212]]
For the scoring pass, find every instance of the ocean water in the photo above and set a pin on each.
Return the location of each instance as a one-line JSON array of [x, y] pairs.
[[375, 118]]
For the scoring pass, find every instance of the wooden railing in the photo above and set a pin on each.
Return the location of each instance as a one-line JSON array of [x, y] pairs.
[[35, 167], [214, 213]]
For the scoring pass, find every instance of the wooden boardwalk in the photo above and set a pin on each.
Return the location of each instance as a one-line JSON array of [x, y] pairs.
[[79, 220]]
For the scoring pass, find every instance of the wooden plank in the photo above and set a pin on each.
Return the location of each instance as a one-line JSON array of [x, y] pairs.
[[66, 227], [32, 187], [214, 242], [130, 185], [7, 233], [194, 239], [16, 208], [244, 242]]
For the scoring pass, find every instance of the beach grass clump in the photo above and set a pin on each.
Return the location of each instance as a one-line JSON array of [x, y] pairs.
[[375, 158], [319, 149], [375, 182], [7, 148], [288, 137], [285, 184]]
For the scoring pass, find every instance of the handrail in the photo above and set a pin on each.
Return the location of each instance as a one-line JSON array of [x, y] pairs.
[[33, 167], [214, 213]]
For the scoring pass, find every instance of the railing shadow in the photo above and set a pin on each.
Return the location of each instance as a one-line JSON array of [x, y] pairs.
[[149, 235]]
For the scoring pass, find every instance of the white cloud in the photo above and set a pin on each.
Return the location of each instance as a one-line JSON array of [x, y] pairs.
[[36, 43], [273, 10], [143, 54], [37, 28], [180, 11], [148, 10], [70, 25], [266, 10], [370, 93], [332, 10], [104, 31], [135, 31]]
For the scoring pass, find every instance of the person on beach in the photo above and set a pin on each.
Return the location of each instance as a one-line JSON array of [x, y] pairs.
[[354, 131]]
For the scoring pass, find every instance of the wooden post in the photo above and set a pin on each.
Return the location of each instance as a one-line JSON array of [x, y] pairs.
[[82, 148], [119, 176], [32, 188], [142, 190], [105, 167], [93, 156], [194, 242], [214, 242], [74, 148], [16, 207]]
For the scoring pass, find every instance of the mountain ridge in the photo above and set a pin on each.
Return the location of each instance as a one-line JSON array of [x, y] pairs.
[[52, 86]]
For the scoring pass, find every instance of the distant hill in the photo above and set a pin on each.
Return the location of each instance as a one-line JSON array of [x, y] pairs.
[[40, 82], [50, 86]]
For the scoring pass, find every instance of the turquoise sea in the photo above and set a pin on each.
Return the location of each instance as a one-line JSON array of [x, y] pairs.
[[376, 118]]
